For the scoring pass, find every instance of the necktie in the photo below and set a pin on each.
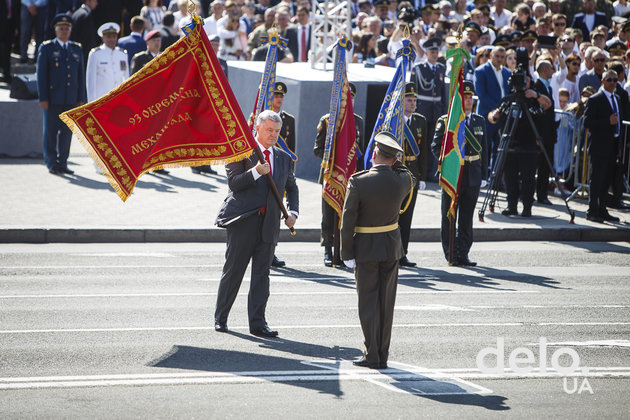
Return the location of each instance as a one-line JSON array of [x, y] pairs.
[[266, 153], [614, 103], [303, 45]]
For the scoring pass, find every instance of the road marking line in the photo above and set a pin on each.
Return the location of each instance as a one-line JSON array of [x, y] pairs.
[[301, 327], [185, 294]]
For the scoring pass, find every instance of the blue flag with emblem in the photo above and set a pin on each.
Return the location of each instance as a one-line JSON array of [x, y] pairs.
[[264, 98], [391, 116]]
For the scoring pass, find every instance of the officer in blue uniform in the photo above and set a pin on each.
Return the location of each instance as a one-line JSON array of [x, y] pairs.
[[61, 86], [432, 94]]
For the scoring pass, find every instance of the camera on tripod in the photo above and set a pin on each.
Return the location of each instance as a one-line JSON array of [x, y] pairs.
[[517, 78]]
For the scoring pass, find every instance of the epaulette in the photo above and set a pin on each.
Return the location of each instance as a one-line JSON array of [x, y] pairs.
[[47, 42], [78, 44], [121, 49], [359, 173], [96, 48], [358, 116], [285, 113]]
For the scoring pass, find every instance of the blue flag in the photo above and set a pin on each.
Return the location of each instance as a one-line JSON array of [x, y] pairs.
[[391, 117]]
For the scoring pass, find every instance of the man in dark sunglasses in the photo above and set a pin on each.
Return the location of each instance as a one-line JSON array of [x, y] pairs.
[[594, 77], [602, 116]]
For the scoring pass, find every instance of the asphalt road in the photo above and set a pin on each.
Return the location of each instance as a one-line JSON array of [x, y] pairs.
[[125, 331]]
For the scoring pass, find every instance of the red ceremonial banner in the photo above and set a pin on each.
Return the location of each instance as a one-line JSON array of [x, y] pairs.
[[178, 110], [342, 163]]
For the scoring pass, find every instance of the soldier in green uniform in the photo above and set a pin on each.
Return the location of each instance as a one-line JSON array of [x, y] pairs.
[[417, 164], [472, 178], [370, 241], [328, 213]]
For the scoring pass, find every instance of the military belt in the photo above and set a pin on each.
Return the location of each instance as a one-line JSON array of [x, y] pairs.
[[410, 158], [471, 158], [375, 229], [429, 98]]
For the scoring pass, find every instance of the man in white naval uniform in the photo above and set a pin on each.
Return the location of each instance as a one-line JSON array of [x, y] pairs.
[[107, 65]]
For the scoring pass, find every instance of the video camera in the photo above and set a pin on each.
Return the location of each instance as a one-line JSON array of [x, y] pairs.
[[408, 15], [517, 79]]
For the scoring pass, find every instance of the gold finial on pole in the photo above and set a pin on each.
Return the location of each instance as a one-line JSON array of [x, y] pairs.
[[192, 11], [405, 31]]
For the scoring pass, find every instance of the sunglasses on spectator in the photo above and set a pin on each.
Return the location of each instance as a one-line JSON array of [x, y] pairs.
[[610, 79], [567, 40], [577, 63], [560, 24], [599, 60]]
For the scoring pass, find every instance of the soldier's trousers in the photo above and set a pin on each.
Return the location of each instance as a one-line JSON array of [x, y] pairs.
[[57, 137], [376, 289], [404, 221], [464, 211], [329, 218]]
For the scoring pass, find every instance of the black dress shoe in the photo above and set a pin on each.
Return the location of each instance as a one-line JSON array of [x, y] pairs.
[[594, 218], [220, 327], [466, 262], [509, 212], [382, 365], [161, 171], [362, 362], [203, 169], [264, 332], [526, 212], [54, 171], [619, 205], [610, 218], [328, 256], [404, 262], [67, 170], [545, 201], [276, 262]]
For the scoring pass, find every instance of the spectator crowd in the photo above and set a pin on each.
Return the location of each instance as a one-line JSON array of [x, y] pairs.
[[570, 44]]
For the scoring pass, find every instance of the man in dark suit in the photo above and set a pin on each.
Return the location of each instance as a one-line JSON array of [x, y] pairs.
[[84, 27], [417, 164], [61, 87], [9, 19], [602, 116], [168, 32], [328, 213], [134, 42], [251, 215], [370, 243], [299, 36], [547, 129], [490, 90], [589, 19], [473, 176]]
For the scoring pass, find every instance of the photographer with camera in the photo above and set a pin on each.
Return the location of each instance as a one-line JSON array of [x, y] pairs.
[[522, 150]]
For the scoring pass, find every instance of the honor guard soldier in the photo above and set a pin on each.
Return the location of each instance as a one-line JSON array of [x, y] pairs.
[[287, 133], [107, 65], [288, 121], [472, 177], [370, 243], [416, 162], [432, 94], [328, 213], [61, 87]]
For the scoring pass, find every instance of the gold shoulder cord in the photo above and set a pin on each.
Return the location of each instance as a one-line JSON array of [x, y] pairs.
[[410, 194]]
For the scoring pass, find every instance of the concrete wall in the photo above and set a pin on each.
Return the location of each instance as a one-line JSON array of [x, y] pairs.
[[21, 127]]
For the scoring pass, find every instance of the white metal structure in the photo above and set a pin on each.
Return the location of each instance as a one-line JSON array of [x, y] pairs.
[[330, 20]]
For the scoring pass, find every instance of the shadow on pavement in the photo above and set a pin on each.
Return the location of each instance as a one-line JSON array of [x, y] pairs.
[[336, 278]]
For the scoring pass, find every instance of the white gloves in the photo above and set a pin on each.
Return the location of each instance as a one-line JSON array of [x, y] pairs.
[[483, 183], [422, 185], [350, 263]]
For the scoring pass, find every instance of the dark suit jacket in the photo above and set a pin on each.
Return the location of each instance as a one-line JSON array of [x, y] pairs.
[[84, 30], [373, 198], [133, 44], [320, 141], [546, 125], [590, 78], [293, 42], [167, 38], [578, 22], [488, 89], [247, 196], [140, 60], [597, 119]]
